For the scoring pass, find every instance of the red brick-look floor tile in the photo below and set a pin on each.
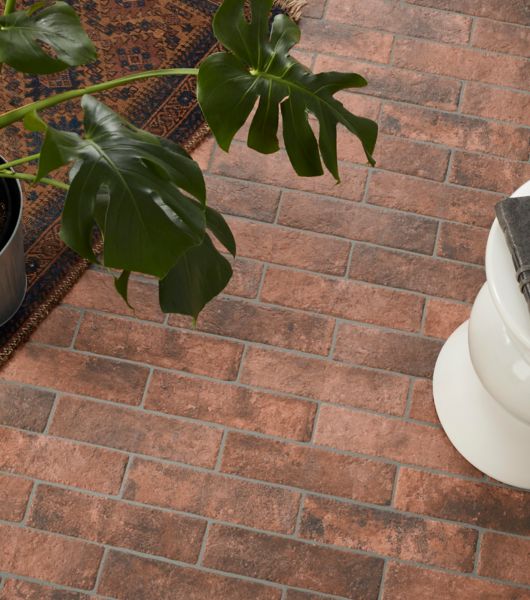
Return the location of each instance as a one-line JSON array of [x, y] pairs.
[[287, 447]]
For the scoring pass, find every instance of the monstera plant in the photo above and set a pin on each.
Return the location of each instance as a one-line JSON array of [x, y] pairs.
[[137, 202]]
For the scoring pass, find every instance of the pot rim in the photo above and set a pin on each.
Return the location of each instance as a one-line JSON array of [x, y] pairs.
[[19, 220]]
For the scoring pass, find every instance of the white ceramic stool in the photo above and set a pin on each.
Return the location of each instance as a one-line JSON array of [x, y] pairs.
[[481, 381]]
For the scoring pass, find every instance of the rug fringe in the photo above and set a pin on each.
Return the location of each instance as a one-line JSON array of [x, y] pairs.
[[292, 7]]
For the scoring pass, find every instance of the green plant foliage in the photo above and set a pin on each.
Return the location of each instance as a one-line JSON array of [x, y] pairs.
[[45, 38], [258, 67]]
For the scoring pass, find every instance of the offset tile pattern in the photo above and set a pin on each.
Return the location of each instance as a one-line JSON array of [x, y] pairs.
[[287, 447]]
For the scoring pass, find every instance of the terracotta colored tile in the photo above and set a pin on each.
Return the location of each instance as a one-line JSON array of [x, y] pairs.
[[345, 299], [308, 468], [116, 523], [360, 104], [326, 380], [493, 174], [361, 223], [231, 405], [502, 37], [344, 40], [422, 403], [515, 12], [505, 557], [496, 103], [242, 198], [276, 326], [296, 595], [473, 207], [246, 278], [403, 19], [49, 557], [203, 152], [15, 589], [212, 495], [290, 247], [388, 350], [404, 582], [390, 534], [134, 431], [314, 10], [160, 346], [126, 576], [458, 131], [293, 563], [61, 461], [462, 242], [24, 407], [58, 328], [423, 274], [402, 85], [77, 374], [393, 439], [96, 290], [480, 504], [14, 496], [443, 317]]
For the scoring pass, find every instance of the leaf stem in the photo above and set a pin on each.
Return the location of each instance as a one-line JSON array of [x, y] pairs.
[[19, 113], [9, 7], [31, 179], [19, 161]]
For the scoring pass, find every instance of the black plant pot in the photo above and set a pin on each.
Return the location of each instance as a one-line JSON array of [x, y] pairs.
[[12, 268]]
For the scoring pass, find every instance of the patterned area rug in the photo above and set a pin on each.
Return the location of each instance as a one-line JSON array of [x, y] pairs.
[[131, 35]]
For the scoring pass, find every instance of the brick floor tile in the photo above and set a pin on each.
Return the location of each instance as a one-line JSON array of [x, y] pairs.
[[231, 405], [398, 84], [246, 278], [390, 534], [315, 9], [443, 317], [309, 468], [163, 347], [14, 496], [134, 431], [496, 103], [293, 563], [345, 299], [457, 131], [212, 495], [61, 461], [502, 37], [126, 576], [389, 350], [24, 407], [296, 595], [403, 19], [480, 504], [15, 589], [291, 247], [404, 582], [49, 557], [77, 374], [344, 40], [505, 557], [422, 403], [264, 324], [58, 328], [360, 104], [361, 223], [473, 207], [515, 12], [462, 242], [463, 63], [241, 198], [116, 523], [394, 439], [325, 380], [416, 273], [494, 174]]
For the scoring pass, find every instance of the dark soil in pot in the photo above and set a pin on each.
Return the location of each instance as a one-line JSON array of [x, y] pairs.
[[9, 209]]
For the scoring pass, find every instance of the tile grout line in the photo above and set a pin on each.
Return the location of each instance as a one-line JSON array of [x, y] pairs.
[[204, 542], [383, 579], [478, 550], [101, 568]]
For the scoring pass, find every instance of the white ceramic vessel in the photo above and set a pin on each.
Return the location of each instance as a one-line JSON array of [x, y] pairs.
[[481, 381]]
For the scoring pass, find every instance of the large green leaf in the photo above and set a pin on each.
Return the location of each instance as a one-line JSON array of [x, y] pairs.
[[131, 185], [259, 69], [45, 38]]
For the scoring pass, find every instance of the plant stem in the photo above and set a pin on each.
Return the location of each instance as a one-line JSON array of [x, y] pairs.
[[31, 179], [19, 113], [19, 161], [9, 7]]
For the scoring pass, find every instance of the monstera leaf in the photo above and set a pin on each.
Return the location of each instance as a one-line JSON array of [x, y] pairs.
[[45, 38], [258, 67]]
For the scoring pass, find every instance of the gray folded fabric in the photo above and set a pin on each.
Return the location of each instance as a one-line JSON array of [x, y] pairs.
[[514, 218]]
